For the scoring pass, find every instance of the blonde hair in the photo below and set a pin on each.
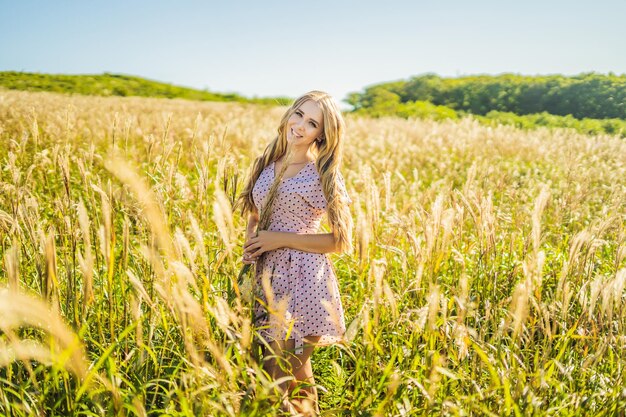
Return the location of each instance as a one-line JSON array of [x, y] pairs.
[[328, 151]]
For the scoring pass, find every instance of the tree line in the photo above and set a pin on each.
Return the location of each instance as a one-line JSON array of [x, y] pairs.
[[588, 95]]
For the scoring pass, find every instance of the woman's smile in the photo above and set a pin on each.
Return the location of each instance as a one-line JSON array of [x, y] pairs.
[[295, 134]]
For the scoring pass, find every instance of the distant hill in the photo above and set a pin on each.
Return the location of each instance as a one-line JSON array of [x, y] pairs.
[[118, 85]]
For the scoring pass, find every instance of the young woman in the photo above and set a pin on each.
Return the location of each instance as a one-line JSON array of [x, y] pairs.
[[299, 306]]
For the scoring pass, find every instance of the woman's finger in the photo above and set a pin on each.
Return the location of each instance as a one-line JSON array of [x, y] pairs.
[[252, 241], [256, 254], [248, 258], [252, 247]]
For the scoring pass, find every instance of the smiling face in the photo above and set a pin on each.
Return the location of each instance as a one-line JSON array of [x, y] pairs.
[[305, 125]]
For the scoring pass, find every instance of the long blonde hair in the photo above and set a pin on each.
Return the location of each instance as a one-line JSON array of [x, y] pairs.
[[328, 151]]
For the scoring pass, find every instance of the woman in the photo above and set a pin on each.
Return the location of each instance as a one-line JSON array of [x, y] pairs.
[[299, 306]]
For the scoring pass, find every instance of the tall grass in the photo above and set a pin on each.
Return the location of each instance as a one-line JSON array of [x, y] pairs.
[[489, 274]]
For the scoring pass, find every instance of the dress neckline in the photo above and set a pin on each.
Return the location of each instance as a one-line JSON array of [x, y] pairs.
[[293, 176]]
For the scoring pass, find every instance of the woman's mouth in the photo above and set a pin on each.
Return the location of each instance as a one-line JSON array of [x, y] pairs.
[[294, 134]]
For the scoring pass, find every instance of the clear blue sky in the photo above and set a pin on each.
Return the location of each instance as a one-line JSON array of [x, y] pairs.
[[269, 48]]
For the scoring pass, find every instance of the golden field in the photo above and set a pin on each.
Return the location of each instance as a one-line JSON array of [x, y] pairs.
[[488, 277]]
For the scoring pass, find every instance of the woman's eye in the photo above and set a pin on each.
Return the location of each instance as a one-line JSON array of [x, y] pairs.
[[313, 124]]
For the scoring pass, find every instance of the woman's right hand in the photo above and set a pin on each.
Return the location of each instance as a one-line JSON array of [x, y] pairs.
[[247, 259]]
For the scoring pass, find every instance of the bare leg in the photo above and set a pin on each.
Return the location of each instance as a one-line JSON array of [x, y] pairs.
[[277, 366], [302, 388], [280, 361]]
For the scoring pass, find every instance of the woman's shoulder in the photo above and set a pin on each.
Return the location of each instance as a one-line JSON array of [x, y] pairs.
[[340, 186]]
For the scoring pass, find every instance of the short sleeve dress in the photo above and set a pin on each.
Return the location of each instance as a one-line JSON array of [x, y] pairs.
[[299, 296]]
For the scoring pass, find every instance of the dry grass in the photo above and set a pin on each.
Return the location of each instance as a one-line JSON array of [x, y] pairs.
[[489, 276]]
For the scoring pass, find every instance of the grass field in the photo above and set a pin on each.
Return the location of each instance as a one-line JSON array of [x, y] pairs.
[[488, 277]]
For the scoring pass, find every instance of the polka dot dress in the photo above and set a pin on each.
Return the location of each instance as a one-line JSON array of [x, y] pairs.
[[297, 291]]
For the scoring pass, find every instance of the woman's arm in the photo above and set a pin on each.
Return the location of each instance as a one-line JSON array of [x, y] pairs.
[[253, 222], [267, 241]]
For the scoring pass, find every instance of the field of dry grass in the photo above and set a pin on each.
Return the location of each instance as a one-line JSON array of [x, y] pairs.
[[488, 278]]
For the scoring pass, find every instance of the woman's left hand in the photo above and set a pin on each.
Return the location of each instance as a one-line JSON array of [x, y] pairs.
[[264, 242]]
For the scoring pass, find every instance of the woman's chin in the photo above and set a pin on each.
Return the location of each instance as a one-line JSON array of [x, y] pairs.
[[295, 143]]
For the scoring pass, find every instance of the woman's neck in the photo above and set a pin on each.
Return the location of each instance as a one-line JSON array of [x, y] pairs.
[[301, 156]]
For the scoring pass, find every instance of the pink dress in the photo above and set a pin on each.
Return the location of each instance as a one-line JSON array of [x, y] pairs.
[[305, 299]]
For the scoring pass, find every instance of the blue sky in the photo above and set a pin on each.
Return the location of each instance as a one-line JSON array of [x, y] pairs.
[[270, 48]]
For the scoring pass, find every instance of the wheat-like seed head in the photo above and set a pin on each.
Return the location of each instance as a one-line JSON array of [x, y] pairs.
[[66, 350]]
